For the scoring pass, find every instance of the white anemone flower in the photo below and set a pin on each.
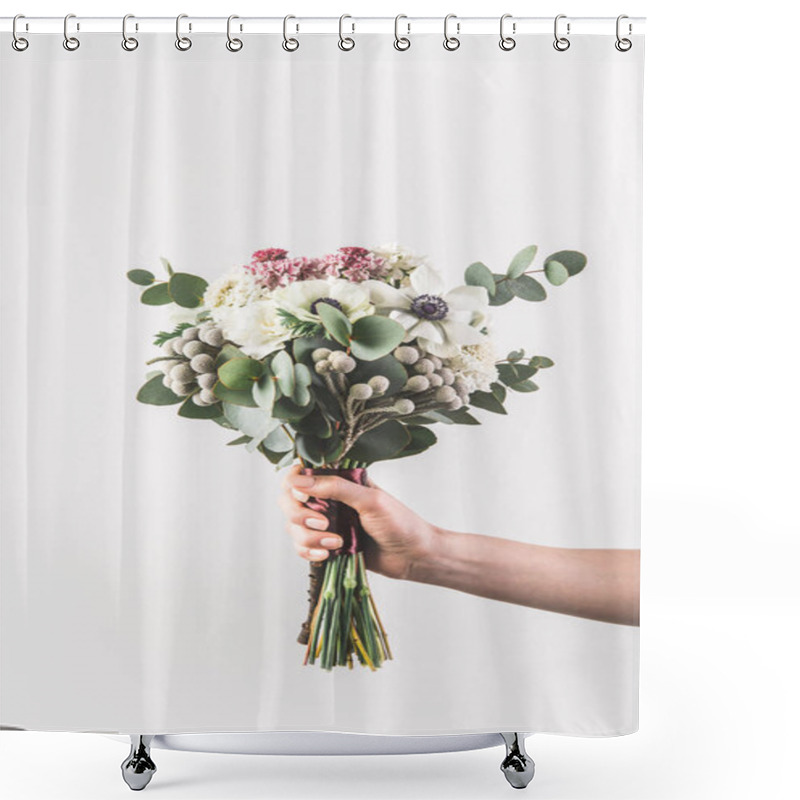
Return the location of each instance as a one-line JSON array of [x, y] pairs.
[[301, 298], [441, 322], [256, 328]]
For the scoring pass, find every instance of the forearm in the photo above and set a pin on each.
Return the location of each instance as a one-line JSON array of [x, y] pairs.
[[596, 584]]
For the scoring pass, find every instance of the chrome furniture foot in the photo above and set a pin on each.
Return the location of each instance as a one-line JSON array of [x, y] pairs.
[[517, 766], [138, 768]]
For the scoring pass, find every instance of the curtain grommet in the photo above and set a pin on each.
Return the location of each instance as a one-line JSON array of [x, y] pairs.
[[346, 43], [19, 43], [401, 43], [183, 43], [561, 43], [70, 43], [623, 44], [507, 42], [451, 43], [129, 43], [289, 44], [233, 44]]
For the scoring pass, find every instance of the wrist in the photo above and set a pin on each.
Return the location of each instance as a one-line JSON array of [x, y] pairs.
[[421, 567]]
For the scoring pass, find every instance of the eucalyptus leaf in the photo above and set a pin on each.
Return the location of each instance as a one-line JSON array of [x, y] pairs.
[[191, 410], [286, 409], [380, 443], [527, 288], [487, 401], [236, 397], [556, 272], [264, 392], [503, 293], [187, 290], [141, 277], [239, 440], [499, 391], [541, 362], [239, 374], [156, 295], [478, 274], [167, 266], [514, 373], [154, 393], [524, 386], [388, 366], [279, 440], [521, 261], [572, 260], [335, 322], [311, 448], [303, 347], [253, 422], [301, 395], [460, 417], [373, 337], [283, 368], [421, 439], [315, 423]]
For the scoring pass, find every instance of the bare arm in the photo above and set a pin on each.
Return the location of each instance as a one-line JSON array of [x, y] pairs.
[[596, 584]]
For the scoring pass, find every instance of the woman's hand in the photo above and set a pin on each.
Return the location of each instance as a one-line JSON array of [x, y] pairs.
[[399, 537]]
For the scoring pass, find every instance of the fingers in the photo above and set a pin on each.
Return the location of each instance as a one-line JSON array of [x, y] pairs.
[[313, 545], [330, 487]]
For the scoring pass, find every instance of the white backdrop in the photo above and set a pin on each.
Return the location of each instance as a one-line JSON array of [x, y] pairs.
[[719, 514], [141, 552]]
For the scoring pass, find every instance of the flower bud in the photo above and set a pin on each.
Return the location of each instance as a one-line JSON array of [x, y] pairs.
[[437, 362], [360, 391], [320, 354], [435, 379], [212, 336], [169, 347], [343, 363], [322, 367], [379, 383], [417, 383], [423, 366], [177, 345], [189, 334], [202, 363], [207, 380], [404, 406], [406, 354], [193, 348], [197, 399], [448, 376], [208, 397], [455, 404], [460, 385], [166, 366], [182, 389], [445, 394], [181, 373]]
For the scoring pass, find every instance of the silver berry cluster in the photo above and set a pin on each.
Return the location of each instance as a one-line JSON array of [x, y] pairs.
[[431, 382], [190, 362]]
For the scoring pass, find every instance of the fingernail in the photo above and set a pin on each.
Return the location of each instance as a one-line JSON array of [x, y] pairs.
[[303, 480], [302, 497], [314, 553], [316, 524], [331, 541]]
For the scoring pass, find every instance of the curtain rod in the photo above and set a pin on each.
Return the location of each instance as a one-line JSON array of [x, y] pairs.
[[327, 25]]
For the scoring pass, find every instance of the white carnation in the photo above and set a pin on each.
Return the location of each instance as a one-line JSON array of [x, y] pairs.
[[233, 290], [400, 260], [256, 328], [475, 365]]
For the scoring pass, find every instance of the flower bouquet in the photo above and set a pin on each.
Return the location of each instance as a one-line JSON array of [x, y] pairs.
[[339, 362]]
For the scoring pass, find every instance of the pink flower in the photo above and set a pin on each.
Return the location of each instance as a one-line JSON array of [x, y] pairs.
[[356, 264], [270, 254], [272, 268]]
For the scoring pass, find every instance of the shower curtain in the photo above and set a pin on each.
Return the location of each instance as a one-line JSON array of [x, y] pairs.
[[392, 292]]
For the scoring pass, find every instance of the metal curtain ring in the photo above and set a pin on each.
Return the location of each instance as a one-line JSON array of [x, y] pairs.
[[19, 43], [233, 44], [129, 43], [181, 42], [289, 44], [561, 43], [346, 42], [70, 42], [623, 44], [451, 42], [507, 42], [401, 42]]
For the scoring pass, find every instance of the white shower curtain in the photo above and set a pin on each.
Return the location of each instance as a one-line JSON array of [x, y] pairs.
[[149, 584]]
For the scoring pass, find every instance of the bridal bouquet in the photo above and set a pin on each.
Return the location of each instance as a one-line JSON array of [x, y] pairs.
[[339, 362]]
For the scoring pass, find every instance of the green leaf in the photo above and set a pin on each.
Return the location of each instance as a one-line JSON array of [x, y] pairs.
[[301, 395], [167, 266], [572, 260], [373, 337], [527, 288], [514, 373], [421, 439], [191, 410], [315, 423], [458, 417], [302, 381], [336, 323], [163, 336], [157, 295], [311, 448], [302, 348], [187, 290], [234, 396], [556, 273], [240, 440], [487, 401], [278, 440], [516, 355], [524, 386], [279, 459], [253, 422], [521, 261], [240, 373], [141, 277], [380, 443], [264, 392], [503, 293], [154, 393], [499, 391], [387, 366], [286, 409], [541, 362], [282, 367], [478, 274], [228, 352]]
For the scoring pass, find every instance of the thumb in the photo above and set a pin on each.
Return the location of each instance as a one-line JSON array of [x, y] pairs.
[[331, 487]]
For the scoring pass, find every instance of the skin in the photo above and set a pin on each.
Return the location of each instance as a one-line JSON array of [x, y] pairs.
[[595, 584]]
